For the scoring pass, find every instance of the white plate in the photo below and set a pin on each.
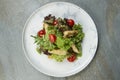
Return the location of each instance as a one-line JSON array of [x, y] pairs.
[[51, 67]]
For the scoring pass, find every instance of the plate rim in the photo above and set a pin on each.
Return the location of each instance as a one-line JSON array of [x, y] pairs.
[[26, 53]]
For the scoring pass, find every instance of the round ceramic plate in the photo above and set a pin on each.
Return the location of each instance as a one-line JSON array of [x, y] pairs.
[[49, 66]]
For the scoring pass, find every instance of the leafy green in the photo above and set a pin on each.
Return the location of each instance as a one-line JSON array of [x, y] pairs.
[[63, 43], [49, 19], [58, 58], [79, 47], [54, 30], [38, 40], [51, 29], [79, 37], [44, 42], [38, 50]]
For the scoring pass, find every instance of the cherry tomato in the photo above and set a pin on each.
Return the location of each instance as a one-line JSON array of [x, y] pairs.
[[52, 38], [71, 58], [55, 22], [41, 33], [70, 22]]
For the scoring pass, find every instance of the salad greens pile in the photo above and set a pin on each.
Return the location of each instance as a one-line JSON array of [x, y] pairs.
[[60, 39]]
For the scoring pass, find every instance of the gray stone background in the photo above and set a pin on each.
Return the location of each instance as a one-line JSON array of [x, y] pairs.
[[104, 66]]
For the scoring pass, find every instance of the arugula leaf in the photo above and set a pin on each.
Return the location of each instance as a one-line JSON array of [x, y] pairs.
[[44, 42]]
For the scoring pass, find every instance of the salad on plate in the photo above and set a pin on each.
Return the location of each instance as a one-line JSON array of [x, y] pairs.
[[59, 39]]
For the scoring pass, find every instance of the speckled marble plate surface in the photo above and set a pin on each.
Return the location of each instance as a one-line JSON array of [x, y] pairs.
[[51, 67]]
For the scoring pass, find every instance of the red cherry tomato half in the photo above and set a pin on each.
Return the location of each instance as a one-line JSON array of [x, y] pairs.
[[71, 58], [41, 33], [70, 22], [52, 38], [55, 22]]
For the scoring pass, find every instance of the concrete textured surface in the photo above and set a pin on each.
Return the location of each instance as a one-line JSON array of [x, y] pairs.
[[104, 66]]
